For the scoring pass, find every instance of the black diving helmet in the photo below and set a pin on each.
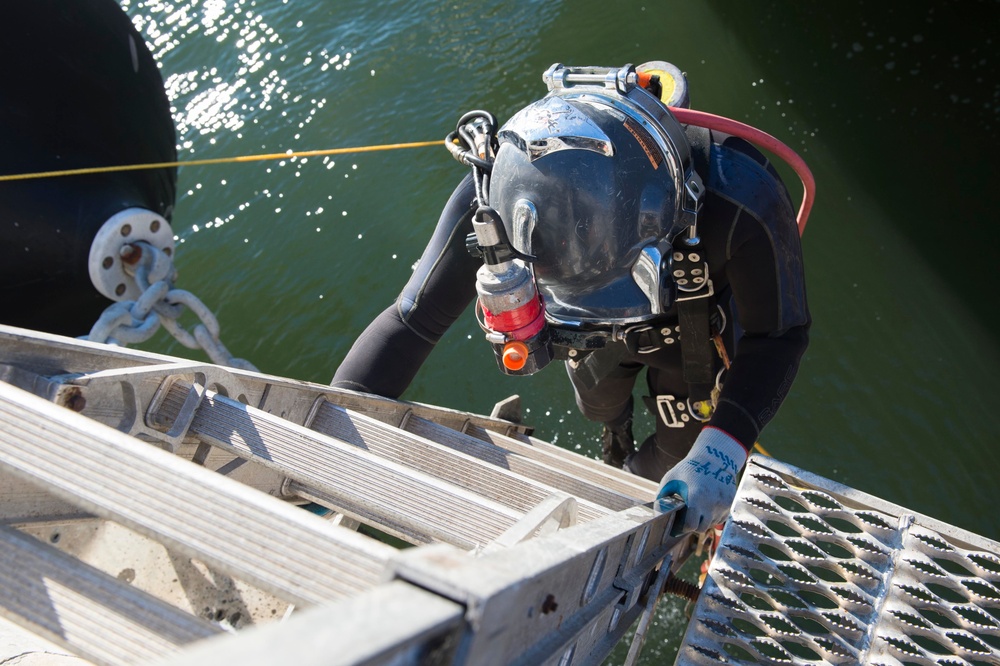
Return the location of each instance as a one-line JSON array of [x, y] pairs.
[[581, 197], [594, 182]]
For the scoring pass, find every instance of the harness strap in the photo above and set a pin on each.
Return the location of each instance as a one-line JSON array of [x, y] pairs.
[[694, 309], [695, 302]]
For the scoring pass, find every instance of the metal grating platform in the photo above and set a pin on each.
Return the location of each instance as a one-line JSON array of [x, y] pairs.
[[809, 571]]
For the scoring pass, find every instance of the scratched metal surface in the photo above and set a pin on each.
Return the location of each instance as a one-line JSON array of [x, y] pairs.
[[809, 571]]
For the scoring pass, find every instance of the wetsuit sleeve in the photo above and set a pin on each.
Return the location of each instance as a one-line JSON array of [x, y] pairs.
[[387, 355], [765, 273]]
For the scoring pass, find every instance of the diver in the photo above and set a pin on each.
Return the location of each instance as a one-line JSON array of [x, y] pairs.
[[597, 230]]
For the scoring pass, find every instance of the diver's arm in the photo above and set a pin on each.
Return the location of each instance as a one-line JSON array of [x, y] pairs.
[[767, 283], [387, 355]]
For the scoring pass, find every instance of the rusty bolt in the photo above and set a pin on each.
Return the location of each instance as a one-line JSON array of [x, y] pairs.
[[73, 399], [130, 254]]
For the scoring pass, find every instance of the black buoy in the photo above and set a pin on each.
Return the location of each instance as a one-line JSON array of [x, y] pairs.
[[78, 89]]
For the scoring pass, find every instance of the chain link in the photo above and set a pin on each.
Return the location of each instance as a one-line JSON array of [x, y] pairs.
[[160, 304]]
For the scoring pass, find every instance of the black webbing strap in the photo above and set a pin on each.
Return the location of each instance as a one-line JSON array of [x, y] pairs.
[[695, 301], [697, 349], [694, 308]]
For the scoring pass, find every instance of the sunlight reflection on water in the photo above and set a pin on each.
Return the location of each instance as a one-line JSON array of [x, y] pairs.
[[249, 75], [255, 90]]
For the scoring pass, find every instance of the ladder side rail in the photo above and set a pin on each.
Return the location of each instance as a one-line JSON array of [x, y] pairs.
[[395, 623], [23, 502], [349, 477], [566, 597], [191, 510], [432, 457], [86, 611], [51, 354]]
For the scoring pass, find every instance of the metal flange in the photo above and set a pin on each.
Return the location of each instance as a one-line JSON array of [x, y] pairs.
[[113, 250]]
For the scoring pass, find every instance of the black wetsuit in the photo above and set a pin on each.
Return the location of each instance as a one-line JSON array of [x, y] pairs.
[[748, 229]]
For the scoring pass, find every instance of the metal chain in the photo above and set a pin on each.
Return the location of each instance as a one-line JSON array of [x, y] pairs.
[[160, 304]]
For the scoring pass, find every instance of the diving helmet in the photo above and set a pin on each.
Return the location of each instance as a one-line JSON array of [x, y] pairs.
[[594, 182]]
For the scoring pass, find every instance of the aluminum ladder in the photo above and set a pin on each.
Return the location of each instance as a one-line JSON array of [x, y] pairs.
[[524, 552]]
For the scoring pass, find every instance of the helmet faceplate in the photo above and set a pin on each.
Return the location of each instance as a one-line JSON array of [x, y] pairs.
[[591, 184]]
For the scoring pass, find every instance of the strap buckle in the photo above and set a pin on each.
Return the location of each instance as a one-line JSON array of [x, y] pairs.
[[673, 412], [707, 290]]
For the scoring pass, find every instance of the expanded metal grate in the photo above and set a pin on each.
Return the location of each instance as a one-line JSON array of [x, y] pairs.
[[809, 571]]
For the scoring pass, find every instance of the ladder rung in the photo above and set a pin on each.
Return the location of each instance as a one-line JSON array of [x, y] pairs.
[[432, 456], [393, 411], [514, 460], [355, 481], [581, 467], [87, 611]]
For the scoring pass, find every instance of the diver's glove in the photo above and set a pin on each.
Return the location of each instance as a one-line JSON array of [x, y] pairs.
[[706, 480]]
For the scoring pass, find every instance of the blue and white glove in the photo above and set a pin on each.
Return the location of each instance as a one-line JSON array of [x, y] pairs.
[[705, 480]]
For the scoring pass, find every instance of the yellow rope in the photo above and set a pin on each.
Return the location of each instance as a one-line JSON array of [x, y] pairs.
[[221, 160]]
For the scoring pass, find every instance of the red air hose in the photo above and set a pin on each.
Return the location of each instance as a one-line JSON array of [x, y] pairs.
[[762, 139]]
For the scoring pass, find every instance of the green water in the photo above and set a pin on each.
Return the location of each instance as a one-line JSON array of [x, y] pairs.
[[894, 109]]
